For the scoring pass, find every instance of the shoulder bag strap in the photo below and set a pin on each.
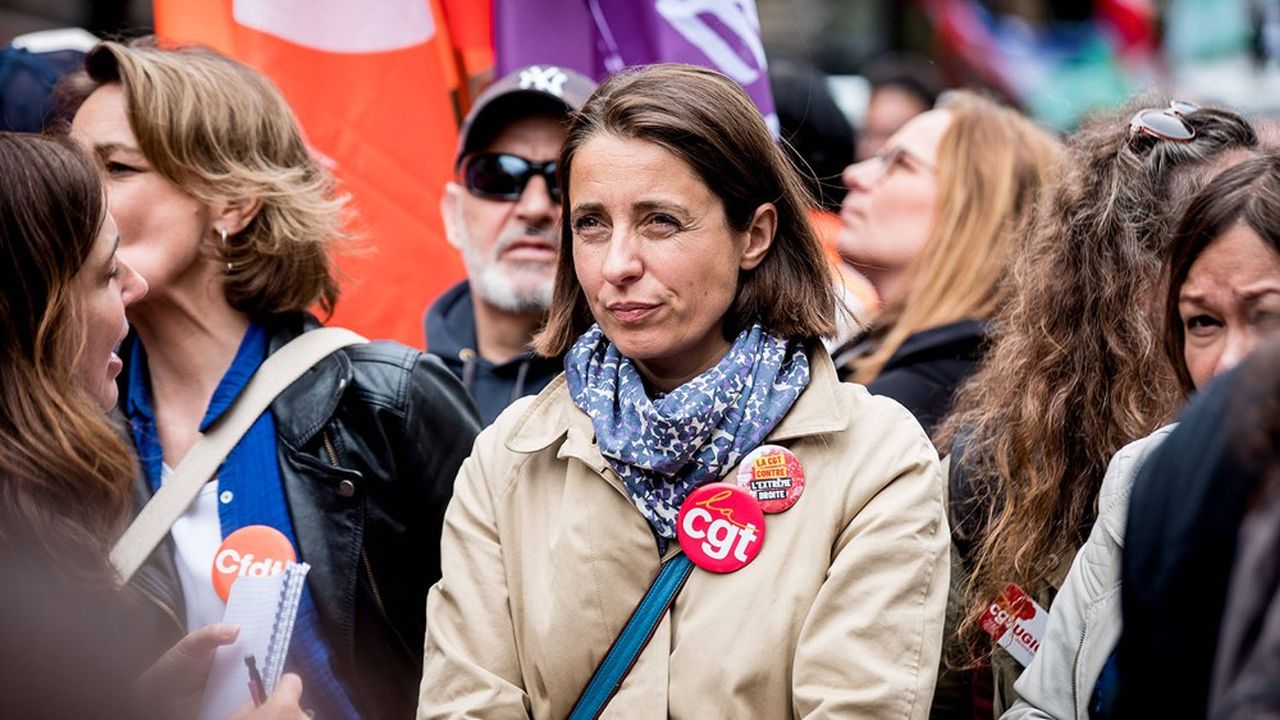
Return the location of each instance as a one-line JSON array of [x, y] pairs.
[[633, 639], [276, 373]]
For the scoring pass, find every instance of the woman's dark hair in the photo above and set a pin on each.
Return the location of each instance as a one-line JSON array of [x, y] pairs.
[[65, 472], [1247, 193], [709, 122], [1254, 425], [913, 74]]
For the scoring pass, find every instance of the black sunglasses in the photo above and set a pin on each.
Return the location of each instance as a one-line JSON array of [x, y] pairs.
[[502, 176], [1164, 123]]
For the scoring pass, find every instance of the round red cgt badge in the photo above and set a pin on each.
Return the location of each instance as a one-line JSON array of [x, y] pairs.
[[774, 476], [720, 527]]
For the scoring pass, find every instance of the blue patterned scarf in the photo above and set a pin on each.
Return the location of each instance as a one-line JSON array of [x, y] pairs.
[[666, 446]]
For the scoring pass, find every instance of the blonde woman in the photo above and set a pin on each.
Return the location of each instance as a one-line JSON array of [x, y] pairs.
[[224, 211], [929, 220]]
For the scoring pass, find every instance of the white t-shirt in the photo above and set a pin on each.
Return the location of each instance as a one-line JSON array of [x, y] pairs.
[[197, 534]]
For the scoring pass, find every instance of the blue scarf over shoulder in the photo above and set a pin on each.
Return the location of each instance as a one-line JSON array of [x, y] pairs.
[[666, 446]]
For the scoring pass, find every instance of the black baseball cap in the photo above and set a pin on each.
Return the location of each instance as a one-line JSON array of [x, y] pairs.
[[531, 90]]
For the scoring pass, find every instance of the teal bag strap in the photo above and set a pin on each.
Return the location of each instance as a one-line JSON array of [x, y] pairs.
[[633, 638]]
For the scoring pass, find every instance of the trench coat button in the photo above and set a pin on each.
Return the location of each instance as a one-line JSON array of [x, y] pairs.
[[346, 488]]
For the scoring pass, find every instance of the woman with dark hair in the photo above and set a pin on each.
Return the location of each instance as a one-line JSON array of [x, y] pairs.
[[1075, 371], [73, 640], [1224, 272], [230, 218], [1223, 300], [690, 297], [63, 283]]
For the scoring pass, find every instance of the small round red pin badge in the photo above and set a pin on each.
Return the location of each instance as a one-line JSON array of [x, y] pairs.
[[252, 551], [774, 476], [720, 527]]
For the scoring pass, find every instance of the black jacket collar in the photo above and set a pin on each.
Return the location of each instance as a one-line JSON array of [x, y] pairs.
[[963, 338], [306, 405]]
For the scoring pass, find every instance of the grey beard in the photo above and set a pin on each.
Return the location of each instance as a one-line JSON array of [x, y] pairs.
[[495, 286]]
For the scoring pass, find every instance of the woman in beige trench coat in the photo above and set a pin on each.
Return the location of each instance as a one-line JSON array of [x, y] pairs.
[[690, 296]]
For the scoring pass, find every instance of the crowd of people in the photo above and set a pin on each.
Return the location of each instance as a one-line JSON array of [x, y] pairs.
[[657, 459]]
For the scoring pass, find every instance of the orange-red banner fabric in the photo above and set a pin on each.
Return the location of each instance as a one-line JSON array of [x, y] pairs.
[[375, 86]]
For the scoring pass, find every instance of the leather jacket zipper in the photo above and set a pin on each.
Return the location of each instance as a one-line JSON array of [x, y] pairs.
[[373, 584], [364, 556], [142, 583], [328, 446]]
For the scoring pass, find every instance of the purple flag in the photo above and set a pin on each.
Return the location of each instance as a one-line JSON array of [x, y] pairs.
[[600, 37]]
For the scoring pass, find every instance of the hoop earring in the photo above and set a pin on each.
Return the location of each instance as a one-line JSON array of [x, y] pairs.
[[223, 232]]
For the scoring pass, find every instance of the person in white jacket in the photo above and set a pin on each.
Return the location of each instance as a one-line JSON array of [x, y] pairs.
[[1084, 623], [1224, 288]]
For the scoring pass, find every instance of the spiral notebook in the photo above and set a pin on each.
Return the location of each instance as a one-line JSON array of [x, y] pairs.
[[265, 609]]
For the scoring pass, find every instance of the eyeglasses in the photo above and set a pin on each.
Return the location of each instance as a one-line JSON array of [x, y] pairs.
[[502, 176], [898, 155], [1164, 123], [889, 158]]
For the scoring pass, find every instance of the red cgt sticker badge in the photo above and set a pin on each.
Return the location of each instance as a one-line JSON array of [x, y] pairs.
[[774, 476], [721, 527]]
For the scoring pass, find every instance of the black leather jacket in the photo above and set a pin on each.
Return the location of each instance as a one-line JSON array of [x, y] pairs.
[[370, 441]]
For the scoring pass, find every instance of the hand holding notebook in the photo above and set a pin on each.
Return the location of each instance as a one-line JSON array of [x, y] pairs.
[[265, 609]]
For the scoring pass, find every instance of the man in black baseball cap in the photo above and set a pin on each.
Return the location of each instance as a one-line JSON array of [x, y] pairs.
[[501, 211]]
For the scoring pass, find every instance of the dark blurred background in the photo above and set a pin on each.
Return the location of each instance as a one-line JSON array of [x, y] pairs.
[[1057, 59]]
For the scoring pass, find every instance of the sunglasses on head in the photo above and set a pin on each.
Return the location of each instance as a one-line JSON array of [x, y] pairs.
[[1164, 123], [502, 176]]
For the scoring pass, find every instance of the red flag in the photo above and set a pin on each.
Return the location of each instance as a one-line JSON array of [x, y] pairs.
[[377, 90], [471, 31]]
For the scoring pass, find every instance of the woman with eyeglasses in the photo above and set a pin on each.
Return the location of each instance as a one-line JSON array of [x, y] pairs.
[[225, 212], [1075, 372], [698, 446], [930, 221]]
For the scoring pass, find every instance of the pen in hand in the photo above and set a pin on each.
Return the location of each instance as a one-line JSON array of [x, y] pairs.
[[257, 690]]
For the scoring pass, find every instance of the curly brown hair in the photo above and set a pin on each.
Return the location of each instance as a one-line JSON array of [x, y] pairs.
[[1076, 368]]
